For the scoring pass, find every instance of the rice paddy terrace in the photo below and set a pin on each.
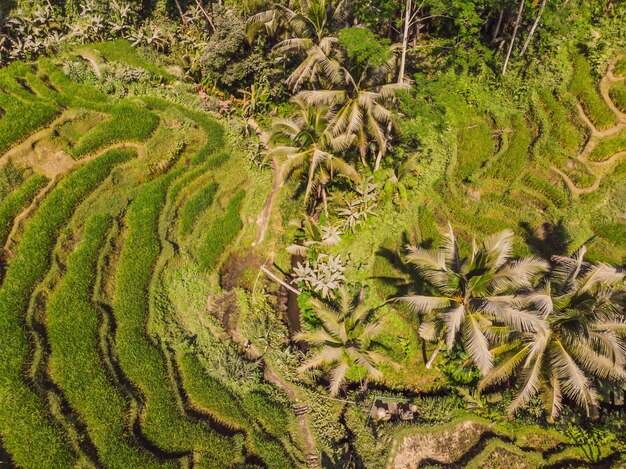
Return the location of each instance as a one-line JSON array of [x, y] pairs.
[[553, 173], [114, 214], [117, 213]]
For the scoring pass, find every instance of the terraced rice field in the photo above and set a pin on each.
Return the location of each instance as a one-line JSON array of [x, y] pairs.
[[553, 174], [101, 198]]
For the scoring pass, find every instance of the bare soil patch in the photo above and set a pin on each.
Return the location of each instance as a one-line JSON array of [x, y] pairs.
[[445, 447]]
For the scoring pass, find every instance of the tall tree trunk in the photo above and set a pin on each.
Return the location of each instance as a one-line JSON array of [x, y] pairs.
[[405, 40], [180, 12], [532, 30], [496, 30], [378, 158], [515, 28]]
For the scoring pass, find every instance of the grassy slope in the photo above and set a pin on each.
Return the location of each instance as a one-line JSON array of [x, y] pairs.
[[28, 434]]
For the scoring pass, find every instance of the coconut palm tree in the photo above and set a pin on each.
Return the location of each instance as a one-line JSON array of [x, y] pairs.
[[311, 148], [360, 94], [309, 33], [345, 339], [580, 338], [469, 297]]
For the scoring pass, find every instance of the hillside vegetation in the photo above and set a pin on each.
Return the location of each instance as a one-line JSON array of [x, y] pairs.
[[312, 234]]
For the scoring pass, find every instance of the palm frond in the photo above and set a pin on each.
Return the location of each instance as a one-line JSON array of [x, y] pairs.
[[476, 344]]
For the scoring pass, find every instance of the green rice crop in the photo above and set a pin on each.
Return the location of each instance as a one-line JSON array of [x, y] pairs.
[[271, 415], [22, 112], [17, 201], [73, 323], [557, 196], [213, 130], [567, 134], [584, 88], [196, 204], [620, 67], [209, 394], [221, 233], [28, 433], [127, 123], [617, 93], [140, 359], [10, 178]]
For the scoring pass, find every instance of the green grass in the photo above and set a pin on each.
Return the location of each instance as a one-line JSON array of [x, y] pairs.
[[209, 394], [127, 124], [584, 88], [498, 454], [194, 207], [73, 130], [221, 233], [140, 359], [28, 434], [617, 93], [73, 324], [120, 50], [475, 145], [17, 201], [512, 160]]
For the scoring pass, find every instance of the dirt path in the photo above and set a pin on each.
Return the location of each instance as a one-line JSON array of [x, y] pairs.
[[264, 217], [598, 168]]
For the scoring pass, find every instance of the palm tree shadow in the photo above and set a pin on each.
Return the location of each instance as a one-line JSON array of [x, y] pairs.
[[548, 240], [407, 281]]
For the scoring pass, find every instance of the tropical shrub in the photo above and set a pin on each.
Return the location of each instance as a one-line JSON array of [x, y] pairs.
[[345, 339]]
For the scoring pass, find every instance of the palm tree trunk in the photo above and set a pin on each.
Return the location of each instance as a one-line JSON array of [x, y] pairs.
[[518, 20], [325, 201], [496, 30], [378, 158], [532, 30], [430, 361], [405, 40]]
